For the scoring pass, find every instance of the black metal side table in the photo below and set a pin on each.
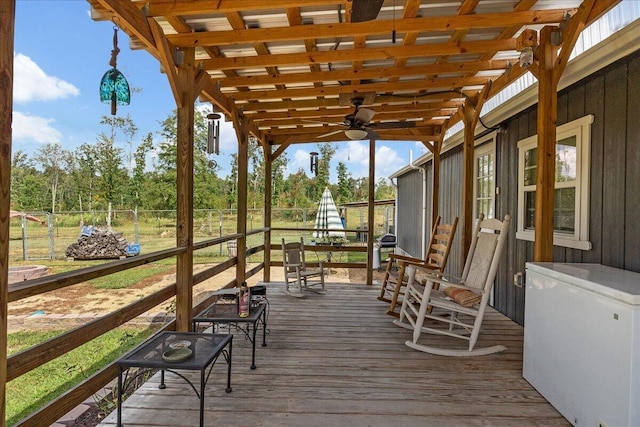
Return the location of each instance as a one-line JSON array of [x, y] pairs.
[[205, 350], [225, 313]]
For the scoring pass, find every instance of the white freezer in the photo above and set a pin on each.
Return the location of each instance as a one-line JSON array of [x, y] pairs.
[[582, 341]]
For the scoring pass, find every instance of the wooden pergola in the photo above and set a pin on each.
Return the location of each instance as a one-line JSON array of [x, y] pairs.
[[287, 72]]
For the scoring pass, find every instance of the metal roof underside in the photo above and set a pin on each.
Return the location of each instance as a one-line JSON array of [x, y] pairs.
[[293, 67]]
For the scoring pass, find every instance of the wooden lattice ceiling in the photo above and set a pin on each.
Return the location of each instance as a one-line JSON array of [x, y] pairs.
[[292, 67]]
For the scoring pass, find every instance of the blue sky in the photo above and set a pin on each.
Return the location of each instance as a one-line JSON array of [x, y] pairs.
[[60, 56]]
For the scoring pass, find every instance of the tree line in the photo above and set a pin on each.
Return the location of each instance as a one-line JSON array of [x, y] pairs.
[[114, 171]]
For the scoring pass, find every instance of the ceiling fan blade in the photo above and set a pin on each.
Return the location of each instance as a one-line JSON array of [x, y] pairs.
[[365, 10], [329, 134], [392, 125], [364, 115], [323, 123]]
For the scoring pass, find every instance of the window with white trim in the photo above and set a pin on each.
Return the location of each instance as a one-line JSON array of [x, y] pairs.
[[571, 199], [484, 186]]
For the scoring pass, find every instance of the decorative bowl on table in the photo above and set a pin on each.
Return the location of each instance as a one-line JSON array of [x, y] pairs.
[[180, 344], [176, 354]]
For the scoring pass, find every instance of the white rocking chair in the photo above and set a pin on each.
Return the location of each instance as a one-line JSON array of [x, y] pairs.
[[297, 275], [461, 302]]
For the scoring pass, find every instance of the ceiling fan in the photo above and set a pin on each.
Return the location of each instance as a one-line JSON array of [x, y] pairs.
[[359, 124], [365, 10]]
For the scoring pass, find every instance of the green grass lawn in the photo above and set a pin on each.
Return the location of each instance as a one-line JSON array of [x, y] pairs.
[[28, 392]]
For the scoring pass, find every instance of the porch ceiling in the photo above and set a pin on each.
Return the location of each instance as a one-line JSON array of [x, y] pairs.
[[292, 67]]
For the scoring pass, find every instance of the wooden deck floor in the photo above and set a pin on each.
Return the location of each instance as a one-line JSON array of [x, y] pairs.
[[337, 360]]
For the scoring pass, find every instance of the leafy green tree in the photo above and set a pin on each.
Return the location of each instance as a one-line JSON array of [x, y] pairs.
[[295, 190], [111, 174], [384, 190], [208, 188], [85, 175], [344, 190], [27, 185], [126, 126], [139, 178], [278, 167], [54, 163]]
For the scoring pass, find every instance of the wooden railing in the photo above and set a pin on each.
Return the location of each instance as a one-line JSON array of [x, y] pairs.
[[29, 359], [25, 361]]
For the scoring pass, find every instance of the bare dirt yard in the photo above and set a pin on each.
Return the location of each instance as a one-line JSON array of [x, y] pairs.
[[87, 301]]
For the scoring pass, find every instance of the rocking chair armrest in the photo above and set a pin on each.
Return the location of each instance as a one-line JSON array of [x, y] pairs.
[[434, 276], [403, 259]]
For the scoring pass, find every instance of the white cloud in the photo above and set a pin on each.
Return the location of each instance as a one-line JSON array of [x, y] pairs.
[[300, 161], [31, 83], [28, 128], [387, 162]]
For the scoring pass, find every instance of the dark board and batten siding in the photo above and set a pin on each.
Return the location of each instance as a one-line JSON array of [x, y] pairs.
[[409, 212], [612, 96]]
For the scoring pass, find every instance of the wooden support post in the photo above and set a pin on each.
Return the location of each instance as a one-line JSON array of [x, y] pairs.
[[184, 220], [469, 119], [546, 160], [371, 210], [435, 187], [241, 125], [7, 23], [268, 195]]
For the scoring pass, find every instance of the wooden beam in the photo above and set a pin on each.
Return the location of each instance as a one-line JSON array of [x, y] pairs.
[[293, 138], [364, 73], [166, 53], [268, 197], [371, 209], [278, 151], [132, 20], [411, 85], [570, 36], [241, 125], [255, 107], [546, 160], [469, 119], [184, 220], [369, 28], [196, 7], [405, 109], [349, 55], [7, 23]]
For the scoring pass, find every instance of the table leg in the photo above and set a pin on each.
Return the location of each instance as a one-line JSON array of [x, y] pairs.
[[228, 389], [253, 345], [202, 381], [162, 385], [264, 327], [119, 413]]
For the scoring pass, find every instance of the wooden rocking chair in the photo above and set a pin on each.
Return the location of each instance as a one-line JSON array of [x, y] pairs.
[[439, 246], [459, 308], [297, 275]]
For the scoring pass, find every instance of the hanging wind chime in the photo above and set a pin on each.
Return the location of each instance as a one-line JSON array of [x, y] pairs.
[[213, 133], [114, 88]]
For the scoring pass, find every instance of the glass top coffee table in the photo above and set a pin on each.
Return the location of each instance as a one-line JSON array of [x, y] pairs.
[[173, 351], [227, 313]]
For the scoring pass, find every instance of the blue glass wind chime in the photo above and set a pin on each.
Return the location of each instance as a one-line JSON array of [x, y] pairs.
[[114, 88]]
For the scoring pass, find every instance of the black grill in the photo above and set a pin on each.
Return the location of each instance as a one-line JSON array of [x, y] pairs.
[[387, 241]]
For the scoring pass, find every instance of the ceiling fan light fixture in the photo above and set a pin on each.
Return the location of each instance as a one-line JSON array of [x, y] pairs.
[[355, 134]]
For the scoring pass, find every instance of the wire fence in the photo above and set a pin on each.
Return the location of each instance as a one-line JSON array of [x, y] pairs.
[[45, 236]]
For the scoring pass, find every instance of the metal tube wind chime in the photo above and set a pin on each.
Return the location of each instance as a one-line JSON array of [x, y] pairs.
[[213, 133]]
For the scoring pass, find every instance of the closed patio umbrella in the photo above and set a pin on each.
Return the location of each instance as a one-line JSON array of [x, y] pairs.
[[328, 217]]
